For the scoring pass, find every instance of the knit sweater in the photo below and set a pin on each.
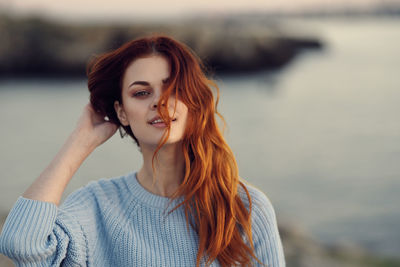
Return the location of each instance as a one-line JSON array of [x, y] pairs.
[[116, 222]]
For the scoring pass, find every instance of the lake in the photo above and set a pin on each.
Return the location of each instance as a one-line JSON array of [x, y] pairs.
[[321, 137]]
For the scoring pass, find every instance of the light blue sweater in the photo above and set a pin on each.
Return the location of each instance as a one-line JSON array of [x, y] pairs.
[[116, 222]]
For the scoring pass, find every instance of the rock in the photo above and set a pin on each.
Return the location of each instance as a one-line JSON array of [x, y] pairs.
[[301, 250], [34, 46]]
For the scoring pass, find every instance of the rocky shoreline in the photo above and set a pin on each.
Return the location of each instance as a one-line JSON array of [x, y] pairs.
[[301, 250], [38, 47]]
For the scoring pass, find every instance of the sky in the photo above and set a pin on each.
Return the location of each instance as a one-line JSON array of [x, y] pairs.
[[153, 9]]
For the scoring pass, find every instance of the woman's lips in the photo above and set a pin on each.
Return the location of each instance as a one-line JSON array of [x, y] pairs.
[[158, 122]]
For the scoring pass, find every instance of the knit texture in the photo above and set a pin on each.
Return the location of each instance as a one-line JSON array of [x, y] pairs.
[[116, 222]]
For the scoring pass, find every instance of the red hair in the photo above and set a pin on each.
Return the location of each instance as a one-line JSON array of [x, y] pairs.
[[211, 181]]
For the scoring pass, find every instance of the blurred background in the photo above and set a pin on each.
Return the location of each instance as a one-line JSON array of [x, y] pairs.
[[310, 91]]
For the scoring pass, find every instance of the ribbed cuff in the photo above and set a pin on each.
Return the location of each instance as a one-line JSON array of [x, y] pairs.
[[27, 226]]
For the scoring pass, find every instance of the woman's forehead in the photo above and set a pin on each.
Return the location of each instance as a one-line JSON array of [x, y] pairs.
[[152, 69]]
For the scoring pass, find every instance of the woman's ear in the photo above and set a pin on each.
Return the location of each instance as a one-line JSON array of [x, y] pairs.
[[119, 109]]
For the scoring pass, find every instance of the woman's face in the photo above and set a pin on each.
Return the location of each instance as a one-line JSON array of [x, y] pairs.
[[142, 86]]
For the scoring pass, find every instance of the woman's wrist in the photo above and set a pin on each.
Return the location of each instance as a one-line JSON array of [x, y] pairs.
[[82, 142]]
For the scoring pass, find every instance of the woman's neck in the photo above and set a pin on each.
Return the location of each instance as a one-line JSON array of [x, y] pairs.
[[169, 170]]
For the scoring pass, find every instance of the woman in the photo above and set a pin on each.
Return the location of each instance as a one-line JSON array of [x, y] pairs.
[[186, 206]]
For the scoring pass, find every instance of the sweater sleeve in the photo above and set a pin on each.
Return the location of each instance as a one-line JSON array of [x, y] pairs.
[[266, 239], [38, 233]]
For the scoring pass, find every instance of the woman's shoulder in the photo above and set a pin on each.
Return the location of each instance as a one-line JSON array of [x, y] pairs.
[[104, 191], [261, 206], [265, 233]]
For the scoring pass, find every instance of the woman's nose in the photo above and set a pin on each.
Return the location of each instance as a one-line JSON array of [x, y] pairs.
[[154, 103]]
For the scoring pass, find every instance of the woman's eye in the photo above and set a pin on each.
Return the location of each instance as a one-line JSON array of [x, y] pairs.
[[141, 93]]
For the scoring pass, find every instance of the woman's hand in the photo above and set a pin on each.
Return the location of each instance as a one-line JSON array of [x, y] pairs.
[[92, 129]]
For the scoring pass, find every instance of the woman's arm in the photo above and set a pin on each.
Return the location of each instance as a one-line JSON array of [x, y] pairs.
[[267, 242], [36, 232], [91, 131]]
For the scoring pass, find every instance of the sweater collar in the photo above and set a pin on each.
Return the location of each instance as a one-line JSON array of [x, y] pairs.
[[148, 198]]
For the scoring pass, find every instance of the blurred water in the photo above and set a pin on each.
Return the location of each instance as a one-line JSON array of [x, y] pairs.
[[321, 137]]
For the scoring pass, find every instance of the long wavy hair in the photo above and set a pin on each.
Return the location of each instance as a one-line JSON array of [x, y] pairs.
[[210, 186]]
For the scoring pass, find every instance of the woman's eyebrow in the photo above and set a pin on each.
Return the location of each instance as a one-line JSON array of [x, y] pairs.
[[139, 83], [146, 83]]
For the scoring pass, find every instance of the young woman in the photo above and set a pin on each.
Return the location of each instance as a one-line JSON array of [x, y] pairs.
[[186, 206]]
